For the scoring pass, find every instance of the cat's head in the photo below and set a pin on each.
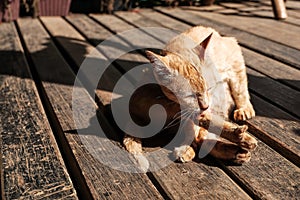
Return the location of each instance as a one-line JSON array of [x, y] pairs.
[[180, 80]]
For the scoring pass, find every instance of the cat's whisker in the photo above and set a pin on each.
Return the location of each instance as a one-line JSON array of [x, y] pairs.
[[170, 125], [181, 114], [184, 115]]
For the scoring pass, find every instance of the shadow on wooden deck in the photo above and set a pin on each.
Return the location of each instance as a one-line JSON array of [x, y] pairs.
[[56, 49]]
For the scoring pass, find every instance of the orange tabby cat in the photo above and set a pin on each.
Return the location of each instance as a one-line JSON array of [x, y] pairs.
[[204, 59]]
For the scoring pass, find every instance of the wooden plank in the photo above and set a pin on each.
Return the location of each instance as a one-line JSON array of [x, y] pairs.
[[255, 10], [264, 46], [258, 62], [251, 11], [285, 97], [266, 28], [31, 164], [269, 162], [196, 180], [293, 8], [268, 175], [164, 20], [277, 129], [189, 180], [91, 29], [102, 182], [271, 68], [293, 4], [263, 10], [76, 48]]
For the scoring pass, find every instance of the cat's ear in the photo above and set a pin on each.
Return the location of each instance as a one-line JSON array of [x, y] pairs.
[[200, 49], [154, 58], [159, 64]]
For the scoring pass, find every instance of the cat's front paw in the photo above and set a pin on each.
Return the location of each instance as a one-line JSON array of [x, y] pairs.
[[244, 113], [142, 162], [184, 153]]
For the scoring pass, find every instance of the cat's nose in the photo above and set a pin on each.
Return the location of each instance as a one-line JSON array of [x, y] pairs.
[[203, 106], [203, 103]]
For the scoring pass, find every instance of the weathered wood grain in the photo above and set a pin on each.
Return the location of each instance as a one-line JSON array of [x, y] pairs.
[[31, 164], [273, 69], [259, 26], [268, 175], [276, 128], [164, 20], [264, 157], [76, 47], [262, 45], [293, 8], [91, 29], [102, 181], [197, 181], [285, 97], [254, 9], [261, 10]]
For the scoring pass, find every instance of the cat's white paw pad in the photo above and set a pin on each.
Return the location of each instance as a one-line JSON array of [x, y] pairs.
[[243, 114], [184, 153]]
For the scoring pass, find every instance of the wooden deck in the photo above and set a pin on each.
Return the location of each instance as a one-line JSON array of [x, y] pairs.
[[42, 154]]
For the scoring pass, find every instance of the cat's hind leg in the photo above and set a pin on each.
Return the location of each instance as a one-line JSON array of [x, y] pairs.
[[210, 144], [226, 151], [232, 132], [238, 135]]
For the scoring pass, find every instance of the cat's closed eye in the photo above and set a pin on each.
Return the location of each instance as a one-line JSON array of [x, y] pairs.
[[191, 95]]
